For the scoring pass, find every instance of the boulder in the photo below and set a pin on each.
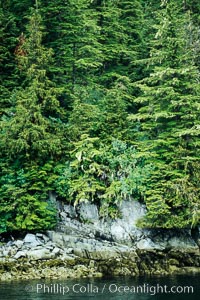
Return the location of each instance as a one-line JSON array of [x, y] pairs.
[[6, 253], [18, 243], [20, 254], [42, 237], [31, 240], [40, 254], [56, 251]]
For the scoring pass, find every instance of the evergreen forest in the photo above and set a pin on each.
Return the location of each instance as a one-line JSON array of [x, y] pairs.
[[99, 103]]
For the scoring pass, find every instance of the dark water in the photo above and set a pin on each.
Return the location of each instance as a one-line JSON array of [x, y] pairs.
[[141, 288]]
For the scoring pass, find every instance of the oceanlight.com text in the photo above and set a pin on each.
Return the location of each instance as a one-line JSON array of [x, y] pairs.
[[108, 288]]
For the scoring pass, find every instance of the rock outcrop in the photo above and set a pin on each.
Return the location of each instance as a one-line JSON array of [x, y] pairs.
[[85, 245]]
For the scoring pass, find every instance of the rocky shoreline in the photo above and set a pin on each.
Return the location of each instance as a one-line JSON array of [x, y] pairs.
[[37, 257], [86, 246]]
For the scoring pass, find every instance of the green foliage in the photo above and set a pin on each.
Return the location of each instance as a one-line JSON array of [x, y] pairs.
[[33, 127], [74, 38], [86, 170], [30, 135], [84, 119], [99, 102], [169, 123], [128, 171], [8, 69], [24, 195], [103, 175]]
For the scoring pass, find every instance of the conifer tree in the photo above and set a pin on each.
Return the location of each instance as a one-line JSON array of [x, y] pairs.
[[194, 7], [74, 39], [8, 41], [37, 107], [169, 123], [121, 35], [31, 139], [132, 20]]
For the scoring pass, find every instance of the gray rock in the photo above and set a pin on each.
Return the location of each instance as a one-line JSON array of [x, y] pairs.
[[40, 235], [50, 247], [40, 254], [63, 215], [182, 243], [40, 247], [125, 230], [70, 211], [65, 256], [148, 244], [69, 250], [18, 244], [89, 212], [56, 251], [6, 253], [10, 243], [43, 237], [118, 231], [132, 211], [31, 239], [20, 254], [56, 237]]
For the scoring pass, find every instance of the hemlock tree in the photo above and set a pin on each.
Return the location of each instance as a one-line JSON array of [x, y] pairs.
[[73, 35], [120, 25], [169, 118], [132, 20], [31, 140], [113, 122], [38, 111], [8, 40]]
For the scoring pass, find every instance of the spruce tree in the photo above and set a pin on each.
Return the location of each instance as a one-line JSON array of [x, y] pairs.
[[169, 123], [33, 123], [8, 40], [31, 139], [73, 35], [132, 20], [120, 36]]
